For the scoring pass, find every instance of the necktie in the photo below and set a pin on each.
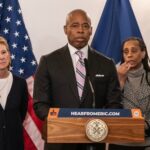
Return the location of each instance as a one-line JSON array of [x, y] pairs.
[[80, 73]]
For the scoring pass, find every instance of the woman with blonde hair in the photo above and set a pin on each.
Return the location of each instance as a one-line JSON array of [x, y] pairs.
[[13, 103]]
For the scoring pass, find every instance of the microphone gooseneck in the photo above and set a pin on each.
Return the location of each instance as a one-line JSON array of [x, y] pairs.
[[90, 83]]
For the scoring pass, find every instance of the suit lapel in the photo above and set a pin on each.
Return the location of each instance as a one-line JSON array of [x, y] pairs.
[[68, 68], [1, 108]]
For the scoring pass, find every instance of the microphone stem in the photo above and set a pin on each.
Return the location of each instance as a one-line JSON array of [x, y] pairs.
[[88, 77], [93, 93]]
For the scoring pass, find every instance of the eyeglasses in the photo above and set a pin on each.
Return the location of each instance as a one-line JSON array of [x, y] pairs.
[[76, 26]]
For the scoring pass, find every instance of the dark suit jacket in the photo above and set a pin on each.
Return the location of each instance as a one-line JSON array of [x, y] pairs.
[[11, 118], [55, 83]]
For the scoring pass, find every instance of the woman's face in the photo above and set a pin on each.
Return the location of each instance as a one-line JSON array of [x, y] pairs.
[[133, 54], [4, 57]]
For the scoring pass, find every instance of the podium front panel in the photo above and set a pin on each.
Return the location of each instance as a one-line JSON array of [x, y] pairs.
[[68, 125]]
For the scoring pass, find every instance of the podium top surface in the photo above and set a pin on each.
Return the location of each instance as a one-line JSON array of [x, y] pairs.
[[85, 112]]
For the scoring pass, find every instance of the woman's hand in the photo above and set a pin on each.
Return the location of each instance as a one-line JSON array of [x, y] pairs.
[[122, 73]]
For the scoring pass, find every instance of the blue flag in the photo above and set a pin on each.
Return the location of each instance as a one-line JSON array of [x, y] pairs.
[[116, 24]]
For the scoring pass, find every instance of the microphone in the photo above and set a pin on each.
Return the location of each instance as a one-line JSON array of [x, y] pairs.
[[90, 83]]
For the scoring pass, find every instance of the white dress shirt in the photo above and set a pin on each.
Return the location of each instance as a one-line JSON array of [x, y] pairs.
[[74, 56]]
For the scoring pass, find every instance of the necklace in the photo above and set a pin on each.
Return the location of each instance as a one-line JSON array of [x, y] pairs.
[[4, 85]]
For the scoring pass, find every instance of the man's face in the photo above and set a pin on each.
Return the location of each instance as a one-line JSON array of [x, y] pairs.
[[78, 30]]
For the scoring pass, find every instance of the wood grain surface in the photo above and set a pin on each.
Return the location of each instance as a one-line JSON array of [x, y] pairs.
[[72, 130]]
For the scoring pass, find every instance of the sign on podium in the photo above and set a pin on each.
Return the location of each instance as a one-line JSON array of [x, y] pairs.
[[65, 125]]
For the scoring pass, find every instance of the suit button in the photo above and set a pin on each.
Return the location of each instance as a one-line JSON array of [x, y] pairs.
[[4, 127]]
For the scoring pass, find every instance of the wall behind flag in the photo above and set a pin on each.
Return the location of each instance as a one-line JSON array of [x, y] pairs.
[[45, 19]]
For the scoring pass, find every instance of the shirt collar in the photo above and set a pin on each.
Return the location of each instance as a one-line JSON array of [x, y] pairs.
[[73, 50]]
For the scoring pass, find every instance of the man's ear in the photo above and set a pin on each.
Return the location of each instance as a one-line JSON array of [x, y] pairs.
[[65, 29], [91, 31]]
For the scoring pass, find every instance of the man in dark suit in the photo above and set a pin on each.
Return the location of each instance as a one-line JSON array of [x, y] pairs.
[[56, 82]]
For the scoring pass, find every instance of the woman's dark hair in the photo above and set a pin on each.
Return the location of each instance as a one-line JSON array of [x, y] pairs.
[[145, 60]]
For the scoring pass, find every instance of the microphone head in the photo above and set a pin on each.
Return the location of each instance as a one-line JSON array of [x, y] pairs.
[[86, 62], [86, 66]]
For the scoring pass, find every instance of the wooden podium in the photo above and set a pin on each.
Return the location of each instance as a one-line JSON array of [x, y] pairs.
[[68, 125]]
